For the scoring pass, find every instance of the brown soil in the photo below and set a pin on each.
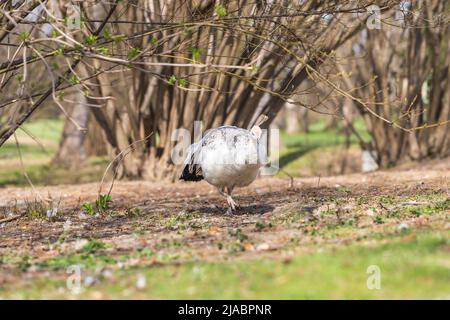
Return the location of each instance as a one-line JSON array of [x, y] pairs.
[[193, 215]]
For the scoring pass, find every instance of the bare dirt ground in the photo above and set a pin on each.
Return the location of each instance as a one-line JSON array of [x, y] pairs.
[[187, 222]]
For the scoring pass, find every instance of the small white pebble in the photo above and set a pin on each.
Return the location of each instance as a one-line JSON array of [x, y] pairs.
[[80, 243], [52, 212], [67, 225], [196, 269], [89, 281], [107, 274], [262, 247], [141, 282], [82, 216], [402, 226]]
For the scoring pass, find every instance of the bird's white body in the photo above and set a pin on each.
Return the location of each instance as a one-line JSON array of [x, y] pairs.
[[230, 157], [226, 157]]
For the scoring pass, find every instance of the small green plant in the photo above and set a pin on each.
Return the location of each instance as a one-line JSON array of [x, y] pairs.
[[88, 208], [261, 225], [133, 212], [61, 94], [74, 80], [36, 209], [238, 234], [362, 200], [196, 54], [344, 189], [255, 68], [172, 80], [442, 205], [133, 53], [145, 253], [24, 35], [118, 39], [93, 246], [104, 50], [183, 83], [386, 199], [107, 34], [24, 263], [179, 220], [101, 204], [90, 40], [378, 219], [220, 10]]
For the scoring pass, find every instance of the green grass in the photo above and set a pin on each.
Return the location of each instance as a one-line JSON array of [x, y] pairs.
[[303, 149], [44, 174], [412, 266], [47, 131], [86, 256], [37, 158]]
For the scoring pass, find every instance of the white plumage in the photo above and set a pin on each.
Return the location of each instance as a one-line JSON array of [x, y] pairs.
[[227, 157]]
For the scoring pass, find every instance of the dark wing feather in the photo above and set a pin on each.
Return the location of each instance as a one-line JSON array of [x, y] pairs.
[[192, 171]]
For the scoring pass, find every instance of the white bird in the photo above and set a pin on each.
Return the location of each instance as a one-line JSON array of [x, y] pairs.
[[226, 157]]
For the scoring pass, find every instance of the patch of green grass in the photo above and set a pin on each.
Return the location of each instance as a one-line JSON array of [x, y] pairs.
[[287, 218], [93, 246], [262, 225], [378, 219], [302, 150], [48, 129], [343, 189], [44, 174], [88, 256], [88, 260], [429, 209], [387, 199], [183, 221], [411, 267], [168, 243], [37, 158], [36, 209], [133, 212], [145, 253], [238, 234]]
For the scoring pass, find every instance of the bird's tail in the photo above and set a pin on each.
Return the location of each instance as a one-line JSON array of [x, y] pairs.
[[192, 172]]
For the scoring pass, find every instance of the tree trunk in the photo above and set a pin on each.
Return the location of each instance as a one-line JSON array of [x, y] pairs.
[[403, 78], [71, 152]]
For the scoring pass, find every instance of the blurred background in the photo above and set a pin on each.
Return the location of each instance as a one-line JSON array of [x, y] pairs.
[[353, 89]]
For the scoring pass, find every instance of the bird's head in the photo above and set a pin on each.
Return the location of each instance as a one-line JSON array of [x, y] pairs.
[[257, 131]]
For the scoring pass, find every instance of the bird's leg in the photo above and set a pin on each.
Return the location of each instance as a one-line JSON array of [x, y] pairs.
[[224, 192], [232, 204]]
